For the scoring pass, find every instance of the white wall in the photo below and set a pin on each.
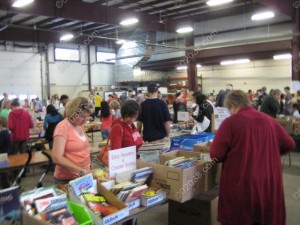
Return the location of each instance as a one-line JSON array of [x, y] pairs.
[[71, 78], [20, 71], [254, 75]]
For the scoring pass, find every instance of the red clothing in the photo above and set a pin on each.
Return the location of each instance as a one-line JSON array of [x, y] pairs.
[[19, 122], [122, 135], [106, 122], [249, 143]]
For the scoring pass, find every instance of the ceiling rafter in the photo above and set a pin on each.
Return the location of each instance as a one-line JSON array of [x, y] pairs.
[[77, 10]]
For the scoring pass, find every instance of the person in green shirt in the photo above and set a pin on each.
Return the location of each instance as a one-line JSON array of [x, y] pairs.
[[5, 110]]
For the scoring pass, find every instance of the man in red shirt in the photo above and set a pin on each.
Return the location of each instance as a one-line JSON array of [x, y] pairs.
[[249, 144]]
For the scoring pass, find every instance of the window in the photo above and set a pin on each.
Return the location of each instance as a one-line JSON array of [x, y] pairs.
[[23, 97], [11, 97], [67, 54], [105, 56]]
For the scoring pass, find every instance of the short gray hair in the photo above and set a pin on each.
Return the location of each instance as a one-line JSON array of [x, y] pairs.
[[237, 98]]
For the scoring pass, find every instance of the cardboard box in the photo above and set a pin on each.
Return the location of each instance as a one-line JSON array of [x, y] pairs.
[[209, 171], [149, 201], [111, 199], [286, 123], [202, 147], [180, 185], [200, 210], [133, 204], [29, 220]]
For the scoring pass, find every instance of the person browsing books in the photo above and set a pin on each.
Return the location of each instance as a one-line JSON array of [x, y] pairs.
[[70, 153], [124, 133]]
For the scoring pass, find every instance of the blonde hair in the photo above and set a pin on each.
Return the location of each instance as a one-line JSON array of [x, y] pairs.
[[237, 98], [77, 106], [114, 104]]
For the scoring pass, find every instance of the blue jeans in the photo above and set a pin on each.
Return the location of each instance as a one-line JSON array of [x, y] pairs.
[[105, 134]]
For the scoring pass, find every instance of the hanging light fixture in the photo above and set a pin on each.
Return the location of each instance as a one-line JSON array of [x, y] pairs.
[[130, 21], [66, 37], [262, 16], [184, 30], [22, 3]]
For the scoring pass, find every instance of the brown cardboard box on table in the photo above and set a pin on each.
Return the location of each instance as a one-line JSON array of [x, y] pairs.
[[180, 185], [200, 210], [287, 124], [209, 171]]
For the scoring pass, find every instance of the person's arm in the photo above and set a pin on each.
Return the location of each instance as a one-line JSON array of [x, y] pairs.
[[10, 123], [59, 158], [30, 122], [286, 142], [139, 126], [116, 137], [45, 125], [221, 143], [167, 128]]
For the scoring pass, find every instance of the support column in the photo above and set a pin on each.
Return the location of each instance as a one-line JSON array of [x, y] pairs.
[[191, 63], [295, 52], [89, 68]]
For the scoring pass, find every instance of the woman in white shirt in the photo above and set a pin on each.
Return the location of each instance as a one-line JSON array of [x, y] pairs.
[[295, 111]]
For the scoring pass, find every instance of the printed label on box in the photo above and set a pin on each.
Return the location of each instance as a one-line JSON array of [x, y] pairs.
[[151, 201], [116, 217], [134, 204]]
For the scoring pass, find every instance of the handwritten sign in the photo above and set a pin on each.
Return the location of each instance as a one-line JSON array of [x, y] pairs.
[[182, 116], [121, 160], [220, 114]]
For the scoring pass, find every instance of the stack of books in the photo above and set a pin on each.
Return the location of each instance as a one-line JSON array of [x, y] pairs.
[[181, 162], [142, 176], [46, 204], [98, 204]]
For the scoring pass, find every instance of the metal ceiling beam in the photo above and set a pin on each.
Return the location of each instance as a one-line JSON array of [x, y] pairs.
[[38, 24], [284, 6], [211, 56], [175, 6], [123, 3], [56, 24], [77, 10], [28, 35], [24, 20]]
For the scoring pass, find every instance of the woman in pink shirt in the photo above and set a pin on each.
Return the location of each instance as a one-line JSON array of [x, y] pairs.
[[106, 119], [70, 153]]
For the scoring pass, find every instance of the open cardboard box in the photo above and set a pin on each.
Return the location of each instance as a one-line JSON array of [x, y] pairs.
[[111, 199], [209, 171], [180, 185]]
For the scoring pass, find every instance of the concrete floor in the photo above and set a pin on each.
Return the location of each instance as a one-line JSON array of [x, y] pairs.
[[159, 215]]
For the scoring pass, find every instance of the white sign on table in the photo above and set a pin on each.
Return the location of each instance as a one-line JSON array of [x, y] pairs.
[[220, 114], [183, 116], [121, 160]]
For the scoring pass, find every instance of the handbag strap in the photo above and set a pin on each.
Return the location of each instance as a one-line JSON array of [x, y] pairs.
[[112, 128]]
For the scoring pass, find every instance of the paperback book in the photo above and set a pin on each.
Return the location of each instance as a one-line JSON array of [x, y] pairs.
[[10, 207]]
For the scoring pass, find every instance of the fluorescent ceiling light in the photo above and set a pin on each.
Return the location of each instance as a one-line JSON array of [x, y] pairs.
[[129, 22], [282, 56], [232, 62], [184, 30], [119, 42], [217, 2], [262, 16], [198, 65], [181, 67], [21, 3], [66, 37]]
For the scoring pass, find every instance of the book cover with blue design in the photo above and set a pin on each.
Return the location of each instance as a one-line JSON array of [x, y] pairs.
[[10, 207]]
